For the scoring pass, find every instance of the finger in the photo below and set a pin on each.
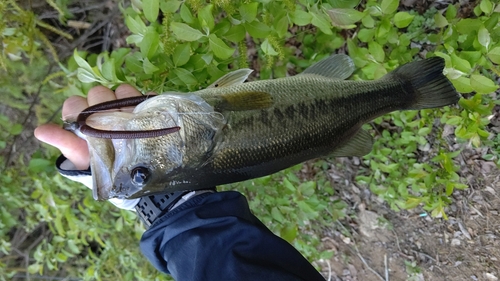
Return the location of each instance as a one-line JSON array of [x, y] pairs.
[[126, 91], [100, 94], [71, 146], [72, 107]]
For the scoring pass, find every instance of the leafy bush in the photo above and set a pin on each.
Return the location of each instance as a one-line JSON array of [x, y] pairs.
[[185, 45]]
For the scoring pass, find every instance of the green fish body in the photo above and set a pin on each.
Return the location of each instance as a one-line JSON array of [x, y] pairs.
[[234, 131]]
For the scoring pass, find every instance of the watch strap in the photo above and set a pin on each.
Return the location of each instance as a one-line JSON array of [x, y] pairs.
[[151, 207]]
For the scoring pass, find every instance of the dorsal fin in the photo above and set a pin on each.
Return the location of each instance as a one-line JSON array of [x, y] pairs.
[[337, 66], [232, 78]]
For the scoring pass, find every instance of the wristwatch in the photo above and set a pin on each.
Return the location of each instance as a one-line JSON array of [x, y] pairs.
[[152, 207]]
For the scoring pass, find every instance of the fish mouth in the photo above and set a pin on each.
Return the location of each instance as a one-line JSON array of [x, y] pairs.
[[102, 143], [114, 134]]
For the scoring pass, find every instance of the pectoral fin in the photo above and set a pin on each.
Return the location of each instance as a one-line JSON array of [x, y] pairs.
[[337, 66], [232, 78], [239, 101], [359, 145]]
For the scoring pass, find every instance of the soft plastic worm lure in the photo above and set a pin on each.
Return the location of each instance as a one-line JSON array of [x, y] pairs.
[[110, 134]]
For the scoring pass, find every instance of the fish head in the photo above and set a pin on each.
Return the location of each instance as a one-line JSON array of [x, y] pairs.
[[146, 165], [130, 168], [123, 168]]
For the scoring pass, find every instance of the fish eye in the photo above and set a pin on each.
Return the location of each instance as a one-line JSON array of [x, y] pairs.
[[140, 175]]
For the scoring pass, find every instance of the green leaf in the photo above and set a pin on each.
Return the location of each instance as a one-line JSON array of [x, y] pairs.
[[185, 76], [108, 70], [170, 6], [376, 50], [466, 26], [236, 33], [321, 22], [389, 6], [383, 28], [85, 76], [288, 185], [72, 246], [16, 129], [119, 224], [248, 11], [460, 64], [150, 42], [462, 84], [38, 165], [368, 21], [277, 215], [134, 63], [483, 36], [300, 17], [148, 67], [220, 49], [307, 188], [151, 9], [424, 131], [257, 29], [134, 39], [366, 35], [60, 257], [403, 19], [281, 26], [482, 85], [412, 202], [81, 62], [494, 55], [186, 14], [35, 268], [440, 20], [268, 49], [486, 6], [289, 232], [345, 18], [185, 32], [135, 24], [455, 120], [181, 54], [206, 18], [451, 12]]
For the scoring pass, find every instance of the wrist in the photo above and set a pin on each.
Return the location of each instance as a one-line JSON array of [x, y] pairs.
[[152, 207]]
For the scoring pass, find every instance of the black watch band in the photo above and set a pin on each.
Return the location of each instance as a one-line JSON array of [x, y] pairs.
[[151, 207]]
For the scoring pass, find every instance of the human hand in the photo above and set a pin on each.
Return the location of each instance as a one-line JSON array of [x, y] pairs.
[[71, 146]]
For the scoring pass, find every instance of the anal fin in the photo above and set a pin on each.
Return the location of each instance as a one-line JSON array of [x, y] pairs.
[[359, 145]]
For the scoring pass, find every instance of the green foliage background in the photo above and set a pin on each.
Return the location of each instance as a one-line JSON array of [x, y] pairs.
[[51, 227]]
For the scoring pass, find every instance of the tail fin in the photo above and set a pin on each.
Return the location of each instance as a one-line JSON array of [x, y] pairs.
[[431, 88]]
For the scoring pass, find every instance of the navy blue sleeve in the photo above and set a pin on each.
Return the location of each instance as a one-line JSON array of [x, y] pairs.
[[214, 236]]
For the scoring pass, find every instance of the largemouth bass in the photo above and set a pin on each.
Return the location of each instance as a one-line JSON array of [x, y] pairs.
[[234, 131]]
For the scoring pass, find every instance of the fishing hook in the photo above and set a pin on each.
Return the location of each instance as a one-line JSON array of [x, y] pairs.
[[110, 134]]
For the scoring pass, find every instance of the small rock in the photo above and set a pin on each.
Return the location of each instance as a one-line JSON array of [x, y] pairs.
[[346, 240], [490, 190], [490, 276], [352, 269], [455, 242]]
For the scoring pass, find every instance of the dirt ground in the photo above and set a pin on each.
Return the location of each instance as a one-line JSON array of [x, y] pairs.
[[410, 245]]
